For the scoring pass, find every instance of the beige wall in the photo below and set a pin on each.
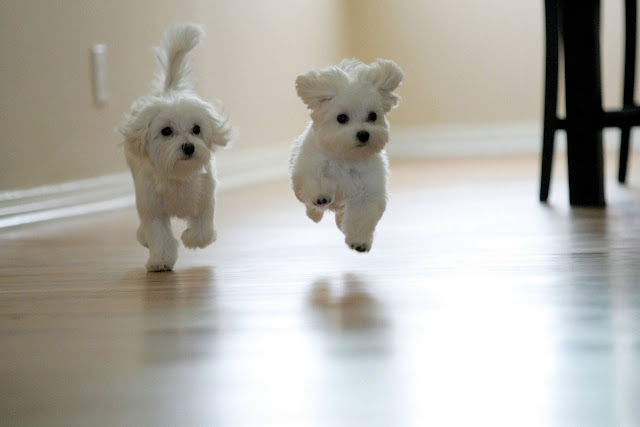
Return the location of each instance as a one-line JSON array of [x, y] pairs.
[[50, 130], [465, 61]]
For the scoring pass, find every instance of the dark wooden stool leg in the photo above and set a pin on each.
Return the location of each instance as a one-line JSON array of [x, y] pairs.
[[550, 95], [581, 51], [629, 81]]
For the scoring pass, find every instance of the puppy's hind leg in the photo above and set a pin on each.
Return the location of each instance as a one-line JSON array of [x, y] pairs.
[[163, 247], [359, 222], [200, 231]]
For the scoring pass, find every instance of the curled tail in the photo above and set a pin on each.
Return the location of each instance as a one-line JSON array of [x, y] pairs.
[[173, 56]]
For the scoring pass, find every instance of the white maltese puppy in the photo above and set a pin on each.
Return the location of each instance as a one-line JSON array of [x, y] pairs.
[[339, 162], [169, 138]]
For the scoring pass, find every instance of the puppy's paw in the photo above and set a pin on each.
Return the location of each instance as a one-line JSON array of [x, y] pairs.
[[322, 201], [158, 265], [314, 214], [362, 247], [359, 245], [198, 238]]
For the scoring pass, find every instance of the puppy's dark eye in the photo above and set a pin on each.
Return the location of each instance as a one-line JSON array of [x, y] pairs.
[[342, 119], [196, 130], [166, 131], [372, 117]]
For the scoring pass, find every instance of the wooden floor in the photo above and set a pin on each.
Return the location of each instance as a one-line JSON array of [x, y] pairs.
[[476, 306]]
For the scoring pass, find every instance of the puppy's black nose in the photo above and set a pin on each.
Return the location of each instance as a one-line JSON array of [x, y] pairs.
[[363, 136], [188, 148]]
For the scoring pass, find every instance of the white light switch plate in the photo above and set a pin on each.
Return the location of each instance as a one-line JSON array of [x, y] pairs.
[[99, 59]]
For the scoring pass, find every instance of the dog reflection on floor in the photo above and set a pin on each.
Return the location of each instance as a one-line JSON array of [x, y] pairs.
[[346, 307]]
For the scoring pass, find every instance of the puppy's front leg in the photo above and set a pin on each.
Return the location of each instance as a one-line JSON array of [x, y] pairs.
[[163, 247], [317, 193], [359, 221], [200, 230]]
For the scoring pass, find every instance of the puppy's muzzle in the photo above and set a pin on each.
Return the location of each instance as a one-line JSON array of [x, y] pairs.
[[363, 137], [188, 149]]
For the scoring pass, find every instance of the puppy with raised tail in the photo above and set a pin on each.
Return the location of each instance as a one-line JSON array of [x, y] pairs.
[[169, 137], [339, 163]]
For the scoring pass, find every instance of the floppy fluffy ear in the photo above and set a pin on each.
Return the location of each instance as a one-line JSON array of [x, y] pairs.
[[316, 87], [136, 130], [221, 132], [386, 76], [349, 65]]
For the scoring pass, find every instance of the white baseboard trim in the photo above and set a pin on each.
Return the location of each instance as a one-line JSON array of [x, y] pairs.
[[239, 169], [64, 200], [470, 140], [115, 191], [480, 140], [242, 168]]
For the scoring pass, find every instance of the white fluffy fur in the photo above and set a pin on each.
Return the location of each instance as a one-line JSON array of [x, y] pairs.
[[170, 180], [331, 166]]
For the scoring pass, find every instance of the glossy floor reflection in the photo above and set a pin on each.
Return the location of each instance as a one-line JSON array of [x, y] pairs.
[[476, 306]]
